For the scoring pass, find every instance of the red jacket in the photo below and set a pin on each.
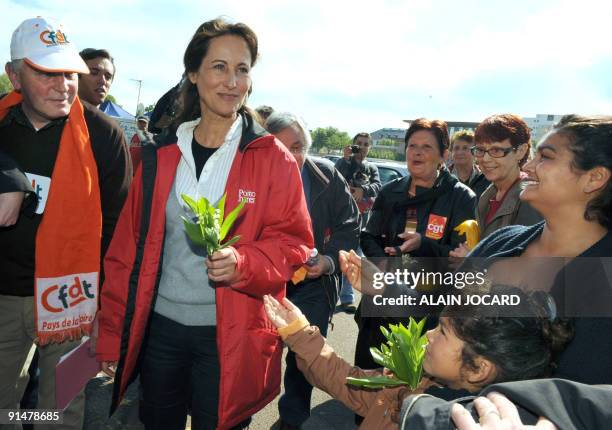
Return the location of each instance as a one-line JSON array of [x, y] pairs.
[[276, 236]]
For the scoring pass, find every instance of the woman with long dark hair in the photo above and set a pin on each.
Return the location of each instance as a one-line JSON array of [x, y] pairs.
[[191, 324]]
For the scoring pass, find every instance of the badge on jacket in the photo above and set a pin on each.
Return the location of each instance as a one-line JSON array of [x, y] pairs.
[[435, 227], [41, 185]]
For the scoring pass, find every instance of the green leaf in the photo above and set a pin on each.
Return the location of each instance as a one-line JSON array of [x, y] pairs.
[[421, 324], [402, 368], [202, 205], [221, 207], [230, 242], [377, 355], [385, 332], [375, 382], [403, 352], [193, 205], [229, 221], [193, 232]]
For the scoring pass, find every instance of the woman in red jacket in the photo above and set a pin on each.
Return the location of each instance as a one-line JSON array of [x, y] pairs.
[[193, 325]]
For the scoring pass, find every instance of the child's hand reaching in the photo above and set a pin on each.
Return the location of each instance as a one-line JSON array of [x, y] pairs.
[[350, 266], [359, 272], [281, 315]]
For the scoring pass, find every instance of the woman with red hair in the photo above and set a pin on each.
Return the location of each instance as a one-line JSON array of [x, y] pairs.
[[501, 148]]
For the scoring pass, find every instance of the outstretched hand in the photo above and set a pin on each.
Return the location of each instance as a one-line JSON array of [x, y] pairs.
[[350, 266], [281, 315], [359, 272], [411, 242]]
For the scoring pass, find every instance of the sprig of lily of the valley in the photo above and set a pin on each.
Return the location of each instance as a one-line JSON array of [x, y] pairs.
[[402, 354], [209, 228]]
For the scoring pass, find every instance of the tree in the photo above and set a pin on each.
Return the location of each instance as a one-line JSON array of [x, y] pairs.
[[149, 108], [330, 137], [112, 99], [387, 143], [5, 84]]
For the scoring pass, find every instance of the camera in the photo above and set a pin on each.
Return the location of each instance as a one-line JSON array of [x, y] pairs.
[[355, 149]]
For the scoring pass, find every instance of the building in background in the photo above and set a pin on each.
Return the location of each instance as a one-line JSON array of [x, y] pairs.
[[389, 139], [541, 124]]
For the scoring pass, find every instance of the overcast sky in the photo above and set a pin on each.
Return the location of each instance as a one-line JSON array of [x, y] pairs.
[[364, 65]]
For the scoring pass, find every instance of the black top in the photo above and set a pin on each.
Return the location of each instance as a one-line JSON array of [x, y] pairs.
[[12, 179], [364, 175], [588, 357], [201, 154], [569, 405], [34, 151]]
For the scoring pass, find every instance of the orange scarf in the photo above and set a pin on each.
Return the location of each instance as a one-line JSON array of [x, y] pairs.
[[67, 252]]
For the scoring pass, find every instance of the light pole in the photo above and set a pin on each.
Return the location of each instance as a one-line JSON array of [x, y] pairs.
[[139, 87]]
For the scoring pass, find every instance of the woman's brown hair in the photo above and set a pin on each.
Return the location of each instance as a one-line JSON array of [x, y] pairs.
[[437, 127], [189, 106], [498, 128]]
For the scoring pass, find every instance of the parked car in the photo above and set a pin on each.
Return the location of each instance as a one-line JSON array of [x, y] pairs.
[[388, 169], [332, 158]]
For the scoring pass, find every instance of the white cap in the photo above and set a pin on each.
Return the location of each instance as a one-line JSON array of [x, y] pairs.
[[45, 45]]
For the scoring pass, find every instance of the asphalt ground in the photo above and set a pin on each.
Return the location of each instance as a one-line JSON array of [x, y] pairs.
[[326, 413]]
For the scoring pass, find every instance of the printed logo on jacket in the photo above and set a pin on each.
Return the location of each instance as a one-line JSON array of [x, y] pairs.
[[435, 227], [66, 302], [246, 196]]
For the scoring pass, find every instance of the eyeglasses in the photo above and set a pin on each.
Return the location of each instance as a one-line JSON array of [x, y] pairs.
[[493, 152]]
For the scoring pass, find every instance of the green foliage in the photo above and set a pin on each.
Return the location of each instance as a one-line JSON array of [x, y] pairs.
[[5, 84], [402, 354], [149, 108], [330, 137], [210, 227], [386, 154], [390, 143], [111, 98]]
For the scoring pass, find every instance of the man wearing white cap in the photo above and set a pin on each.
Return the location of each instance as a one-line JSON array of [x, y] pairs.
[[79, 167]]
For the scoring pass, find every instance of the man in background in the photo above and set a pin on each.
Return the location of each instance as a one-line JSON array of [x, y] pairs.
[[364, 182], [95, 85], [335, 226]]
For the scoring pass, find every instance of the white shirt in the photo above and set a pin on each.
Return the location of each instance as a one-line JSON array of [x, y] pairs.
[[216, 170]]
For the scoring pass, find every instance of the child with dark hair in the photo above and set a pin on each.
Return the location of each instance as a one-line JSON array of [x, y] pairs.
[[464, 352]]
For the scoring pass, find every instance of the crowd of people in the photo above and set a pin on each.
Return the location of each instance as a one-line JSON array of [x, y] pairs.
[[92, 243]]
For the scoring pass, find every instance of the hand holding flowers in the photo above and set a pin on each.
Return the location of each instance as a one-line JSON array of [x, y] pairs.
[[208, 229]]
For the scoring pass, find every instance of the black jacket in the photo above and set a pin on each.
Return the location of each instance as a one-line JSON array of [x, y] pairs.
[[13, 179], [583, 281], [448, 201], [333, 211], [335, 223], [568, 405], [364, 175], [478, 183]]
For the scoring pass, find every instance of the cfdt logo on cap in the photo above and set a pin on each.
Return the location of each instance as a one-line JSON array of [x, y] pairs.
[[53, 37]]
